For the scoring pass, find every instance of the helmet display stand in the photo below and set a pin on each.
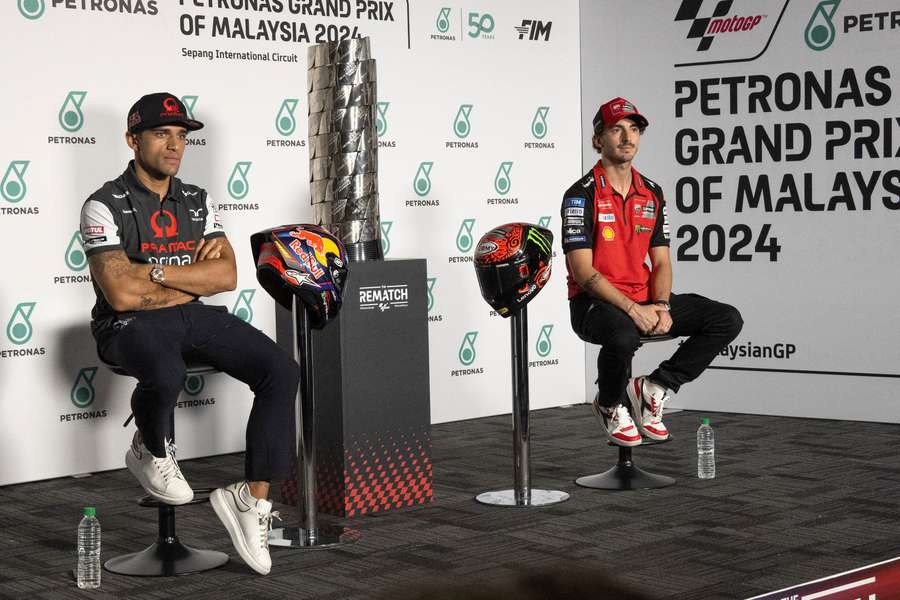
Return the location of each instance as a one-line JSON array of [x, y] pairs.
[[309, 534]]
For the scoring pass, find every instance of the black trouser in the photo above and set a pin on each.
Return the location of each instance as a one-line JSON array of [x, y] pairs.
[[154, 345], [710, 326]]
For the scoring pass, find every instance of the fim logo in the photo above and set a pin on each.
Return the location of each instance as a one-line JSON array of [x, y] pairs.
[[464, 240], [76, 259], [706, 28], [31, 9], [285, 122], [381, 123], [82, 394], [385, 238], [466, 352], [819, 33], [13, 187], [534, 30], [18, 328], [242, 308], [238, 186], [461, 126], [70, 116], [383, 297]]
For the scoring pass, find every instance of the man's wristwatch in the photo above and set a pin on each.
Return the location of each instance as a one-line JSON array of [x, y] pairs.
[[664, 304], [157, 274]]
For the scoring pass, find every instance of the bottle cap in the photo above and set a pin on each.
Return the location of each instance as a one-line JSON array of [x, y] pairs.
[[705, 420], [90, 511]]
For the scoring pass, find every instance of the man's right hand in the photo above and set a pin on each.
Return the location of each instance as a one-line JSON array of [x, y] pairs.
[[645, 317]]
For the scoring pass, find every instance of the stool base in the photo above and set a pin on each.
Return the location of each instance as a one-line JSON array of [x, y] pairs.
[[508, 498], [298, 538], [626, 476], [166, 558]]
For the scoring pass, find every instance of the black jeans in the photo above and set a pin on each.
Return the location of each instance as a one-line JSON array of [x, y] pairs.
[[154, 345], [710, 326]]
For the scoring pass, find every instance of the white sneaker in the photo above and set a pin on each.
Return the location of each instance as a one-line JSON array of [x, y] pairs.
[[617, 423], [648, 401], [160, 477], [248, 521]]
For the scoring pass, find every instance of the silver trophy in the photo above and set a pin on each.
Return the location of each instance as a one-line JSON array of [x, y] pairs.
[[343, 145]]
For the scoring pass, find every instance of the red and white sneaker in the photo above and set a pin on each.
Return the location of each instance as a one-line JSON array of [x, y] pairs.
[[617, 423], [648, 400]]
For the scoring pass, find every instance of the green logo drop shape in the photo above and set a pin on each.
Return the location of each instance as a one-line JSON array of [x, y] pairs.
[[75, 257], [422, 180], [464, 239], [189, 103], [820, 33], [431, 281], [539, 123], [381, 123], [31, 9], [82, 393], [193, 384], [544, 222], [18, 329], [385, 239], [502, 182], [13, 187], [544, 346], [466, 352], [443, 20], [285, 122], [238, 186], [70, 116], [242, 309], [461, 126]]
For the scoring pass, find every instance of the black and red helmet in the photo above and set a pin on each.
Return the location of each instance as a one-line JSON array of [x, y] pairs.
[[512, 262], [305, 261]]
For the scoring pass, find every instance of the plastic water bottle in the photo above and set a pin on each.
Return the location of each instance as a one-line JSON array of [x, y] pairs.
[[706, 451], [88, 571]]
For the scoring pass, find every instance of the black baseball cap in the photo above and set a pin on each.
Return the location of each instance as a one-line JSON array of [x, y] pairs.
[[161, 108]]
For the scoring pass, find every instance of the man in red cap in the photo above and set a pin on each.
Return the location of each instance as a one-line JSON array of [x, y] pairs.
[[613, 218]]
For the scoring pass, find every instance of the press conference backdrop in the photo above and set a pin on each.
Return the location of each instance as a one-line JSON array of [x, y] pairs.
[[478, 125], [774, 131]]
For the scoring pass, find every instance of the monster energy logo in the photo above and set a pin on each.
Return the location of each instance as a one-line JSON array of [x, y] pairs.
[[461, 126], [381, 123], [502, 181], [242, 308], [13, 187], [189, 103], [70, 116], [285, 122], [819, 33], [75, 257], [82, 394], [238, 186], [18, 328], [31, 9], [466, 352], [540, 239], [385, 239], [464, 240], [539, 123]]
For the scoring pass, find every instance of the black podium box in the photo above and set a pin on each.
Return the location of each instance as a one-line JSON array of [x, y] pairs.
[[373, 417]]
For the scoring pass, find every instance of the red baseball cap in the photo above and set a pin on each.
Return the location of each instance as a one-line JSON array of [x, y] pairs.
[[615, 110]]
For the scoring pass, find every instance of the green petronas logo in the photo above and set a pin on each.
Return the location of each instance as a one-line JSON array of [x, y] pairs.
[[189, 103], [193, 384], [238, 186], [820, 32], [544, 222], [285, 122], [31, 9], [544, 346], [82, 393], [431, 282], [461, 126], [242, 308], [13, 187], [75, 257], [539, 123], [443, 20], [381, 123], [18, 329], [464, 240], [422, 180], [540, 240], [70, 116], [466, 352], [385, 236], [502, 181]]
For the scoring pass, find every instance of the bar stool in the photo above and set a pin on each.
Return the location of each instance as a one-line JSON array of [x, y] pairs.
[[626, 475], [168, 556]]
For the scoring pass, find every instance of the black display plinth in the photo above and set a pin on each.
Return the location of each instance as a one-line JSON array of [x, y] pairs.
[[373, 432]]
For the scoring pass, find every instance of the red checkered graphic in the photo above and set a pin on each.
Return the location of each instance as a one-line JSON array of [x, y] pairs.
[[380, 472]]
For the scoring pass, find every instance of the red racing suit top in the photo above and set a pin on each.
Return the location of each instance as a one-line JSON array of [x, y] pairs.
[[619, 231]]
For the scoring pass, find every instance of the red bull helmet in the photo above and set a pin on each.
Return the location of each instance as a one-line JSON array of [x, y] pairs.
[[512, 262], [304, 261]]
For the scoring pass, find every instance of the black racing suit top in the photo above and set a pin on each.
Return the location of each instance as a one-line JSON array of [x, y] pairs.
[[125, 215]]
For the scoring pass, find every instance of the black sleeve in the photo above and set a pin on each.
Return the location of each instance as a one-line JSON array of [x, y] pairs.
[[577, 218], [660, 235]]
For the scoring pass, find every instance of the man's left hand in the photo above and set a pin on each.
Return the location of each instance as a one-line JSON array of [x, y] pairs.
[[209, 249], [664, 324]]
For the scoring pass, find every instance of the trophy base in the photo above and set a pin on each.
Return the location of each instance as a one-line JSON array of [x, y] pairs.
[[362, 251]]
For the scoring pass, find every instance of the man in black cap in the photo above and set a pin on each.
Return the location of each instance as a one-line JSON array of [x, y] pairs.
[[155, 245], [613, 220]]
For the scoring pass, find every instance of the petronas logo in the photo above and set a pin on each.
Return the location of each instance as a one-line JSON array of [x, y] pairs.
[[75, 256], [381, 123], [464, 239], [285, 122], [431, 282], [238, 186], [461, 126], [539, 123], [193, 384], [820, 33], [18, 328], [466, 352], [31, 9], [385, 236], [242, 308], [443, 20], [189, 103], [544, 346], [502, 182], [544, 222], [82, 394], [422, 180], [70, 116], [13, 187]]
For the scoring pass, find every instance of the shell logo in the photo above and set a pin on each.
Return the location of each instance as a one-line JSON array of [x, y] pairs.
[[608, 233]]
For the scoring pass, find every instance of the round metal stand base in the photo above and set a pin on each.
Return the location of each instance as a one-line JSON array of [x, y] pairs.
[[508, 498], [165, 559], [298, 538], [625, 477], [361, 251]]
